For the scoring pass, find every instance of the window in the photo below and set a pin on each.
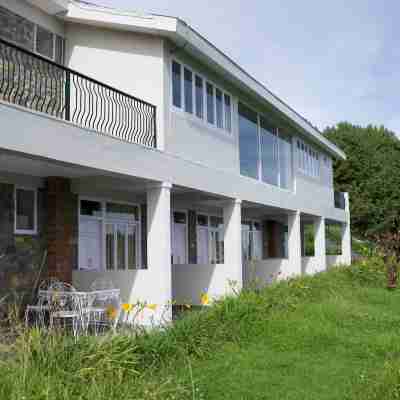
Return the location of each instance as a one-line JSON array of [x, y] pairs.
[[176, 85], [308, 159], [219, 109], [195, 95], [25, 211], [32, 37], [210, 241], [179, 238], [251, 240], [228, 113], [248, 142], [44, 42], [199, 97], [265, 150], [210, 103], [114, 227], [188, 91]]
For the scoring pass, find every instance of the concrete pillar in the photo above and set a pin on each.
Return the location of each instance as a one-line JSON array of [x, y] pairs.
[[294, 245], [346, 234], [233, 241], [320, 244], [158, 275]]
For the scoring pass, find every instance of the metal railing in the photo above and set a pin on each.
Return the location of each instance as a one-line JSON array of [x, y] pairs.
[[340, 200], [34, 82]]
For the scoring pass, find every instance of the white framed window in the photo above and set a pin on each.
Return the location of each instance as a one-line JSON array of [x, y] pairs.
[[179, 237], [196, 95], [251, 240], [25, 211], [210, 239], [109, 235], [308, 159]]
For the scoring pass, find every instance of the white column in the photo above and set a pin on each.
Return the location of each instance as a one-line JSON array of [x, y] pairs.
[[346, 234], [233, 242], [320, 244], [158, 279], [294, 245]]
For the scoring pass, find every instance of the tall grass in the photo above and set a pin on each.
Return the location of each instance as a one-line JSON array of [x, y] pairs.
[[40, 366]]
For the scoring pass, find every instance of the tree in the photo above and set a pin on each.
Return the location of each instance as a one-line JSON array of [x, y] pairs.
[[371, 175]]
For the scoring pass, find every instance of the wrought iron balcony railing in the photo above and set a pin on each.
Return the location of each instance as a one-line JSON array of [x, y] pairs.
[[340, 200], [32, 81]]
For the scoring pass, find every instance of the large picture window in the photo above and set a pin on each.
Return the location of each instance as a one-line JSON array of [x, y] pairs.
[[196, 95], [109, 236], [25, 211], [210, 239], [265, 151]]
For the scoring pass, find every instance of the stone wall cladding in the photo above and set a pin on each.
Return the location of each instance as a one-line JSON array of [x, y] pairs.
[[21, 256]]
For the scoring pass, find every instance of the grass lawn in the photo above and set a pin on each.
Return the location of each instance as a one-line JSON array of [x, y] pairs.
[[332, 336]]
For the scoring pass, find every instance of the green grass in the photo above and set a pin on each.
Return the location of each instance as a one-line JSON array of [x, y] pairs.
[[332, 336]]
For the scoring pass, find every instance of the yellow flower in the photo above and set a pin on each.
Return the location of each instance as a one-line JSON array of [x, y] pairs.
[[152, 307], [188, 306], [204, 299], [127, 307], [111, 312]]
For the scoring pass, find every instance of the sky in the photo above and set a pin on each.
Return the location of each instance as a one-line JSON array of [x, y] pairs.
[[331, 61]]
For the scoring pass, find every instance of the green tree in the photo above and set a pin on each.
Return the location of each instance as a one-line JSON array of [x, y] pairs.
[[371, 174]]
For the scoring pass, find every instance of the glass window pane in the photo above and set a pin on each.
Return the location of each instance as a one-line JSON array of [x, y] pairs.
[[188, 91], [122, 211], [91, 208], [248, 142], [121, 237], [179, 217], [110, 244], [132, 257], [269, 153], [16, 29], [59, 50], [176, 85], [44, 42], [202, 220], [25, 210], [285, 160], [199, 97], [228, 113], [210, 103], [220, 117]]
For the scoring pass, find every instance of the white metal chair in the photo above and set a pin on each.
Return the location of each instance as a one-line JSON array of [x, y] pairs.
[[41, 307]]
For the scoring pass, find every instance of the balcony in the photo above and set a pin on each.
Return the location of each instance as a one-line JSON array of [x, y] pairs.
[[340, 200], [39, 84]]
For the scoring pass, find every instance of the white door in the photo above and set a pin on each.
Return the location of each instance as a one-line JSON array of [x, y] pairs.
[[90, 244]]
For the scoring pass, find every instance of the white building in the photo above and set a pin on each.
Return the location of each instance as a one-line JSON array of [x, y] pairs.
[[133, 148]]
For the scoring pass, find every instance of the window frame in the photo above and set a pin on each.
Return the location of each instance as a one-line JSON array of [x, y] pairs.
[[209, 236], [33, 231], [308, 159], [186, 212], [103, 219], [259, 154], [194, 114], [250, 231]]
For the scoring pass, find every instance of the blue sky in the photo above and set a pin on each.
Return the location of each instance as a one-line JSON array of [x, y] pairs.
[[330, 60]]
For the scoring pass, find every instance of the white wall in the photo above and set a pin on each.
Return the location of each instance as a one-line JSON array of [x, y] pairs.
[[265, 272], [311, 266], [189, 281], [335, 260]]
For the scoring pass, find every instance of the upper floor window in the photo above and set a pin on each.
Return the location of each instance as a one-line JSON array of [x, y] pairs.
[[32, 37], [265, 151], [308, 159], [196, 95], [25, 211]]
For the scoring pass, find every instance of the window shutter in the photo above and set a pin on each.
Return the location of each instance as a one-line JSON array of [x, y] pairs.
[[143, 229], [192, 236]]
